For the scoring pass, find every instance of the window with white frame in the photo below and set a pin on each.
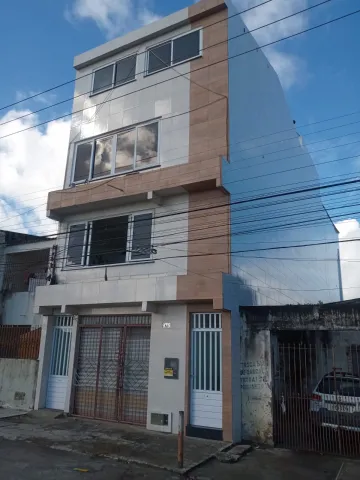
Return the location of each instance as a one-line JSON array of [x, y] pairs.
[[115, 74], [110, 241], [174, 51], [132, 149]]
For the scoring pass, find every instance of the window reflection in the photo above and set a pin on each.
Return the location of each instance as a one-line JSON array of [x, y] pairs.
[[125, 149], [102, 161], [82, 161], [146, 147]]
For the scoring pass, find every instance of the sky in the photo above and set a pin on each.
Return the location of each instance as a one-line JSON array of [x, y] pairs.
[[319, 71]]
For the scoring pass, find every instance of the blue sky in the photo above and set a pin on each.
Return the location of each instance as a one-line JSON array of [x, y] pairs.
[[320, 72]]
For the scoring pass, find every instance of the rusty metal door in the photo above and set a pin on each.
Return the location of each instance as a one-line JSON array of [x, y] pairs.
[[112, 369]]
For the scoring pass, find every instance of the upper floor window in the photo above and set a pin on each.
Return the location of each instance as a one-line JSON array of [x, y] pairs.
[[117, 73], [110, 241], [132, 149], [176, 50]]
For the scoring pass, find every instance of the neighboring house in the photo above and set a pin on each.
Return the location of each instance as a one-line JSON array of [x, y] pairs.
[[24, 265], [143, 320], [288, 352]]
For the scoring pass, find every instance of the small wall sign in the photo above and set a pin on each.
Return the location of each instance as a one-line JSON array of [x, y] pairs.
[[166, 325], [171, 368]]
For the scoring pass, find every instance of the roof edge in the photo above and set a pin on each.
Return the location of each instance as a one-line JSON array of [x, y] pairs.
[[131, 39]]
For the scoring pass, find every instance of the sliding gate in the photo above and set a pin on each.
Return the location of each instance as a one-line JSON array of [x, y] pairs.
[[112, 369]]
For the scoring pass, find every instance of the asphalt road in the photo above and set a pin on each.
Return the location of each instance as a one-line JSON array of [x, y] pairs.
[[21, 460], [25, 460]]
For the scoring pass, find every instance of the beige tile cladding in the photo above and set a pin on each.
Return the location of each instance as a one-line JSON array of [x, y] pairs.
[[209, 230], [190, 176]]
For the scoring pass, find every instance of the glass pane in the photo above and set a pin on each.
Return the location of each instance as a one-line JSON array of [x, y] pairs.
[[103, 78], [109, 241], [187, 46], [82, 161], [147, 146], [347, 387], [207, 360], [141, 241], [218, 363], [125, 70], [201, 363], [75, 244], [213, 361], [159, 57], [103, 156], [125, 151]]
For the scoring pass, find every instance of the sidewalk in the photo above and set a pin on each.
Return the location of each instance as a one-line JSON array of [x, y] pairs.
[[103, 439], [279, 464], [138, 448]]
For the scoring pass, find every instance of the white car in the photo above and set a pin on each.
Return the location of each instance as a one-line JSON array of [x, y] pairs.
[[335, 401]]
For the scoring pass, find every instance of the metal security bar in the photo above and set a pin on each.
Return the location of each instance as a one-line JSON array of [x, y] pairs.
[[116, 320], [111, 378], [206, 369], [61, 345], [19, 342], [64, 321], [316, 395]]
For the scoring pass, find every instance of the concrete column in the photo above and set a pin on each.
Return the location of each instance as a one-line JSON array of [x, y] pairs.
[[256, 385], [235, 376], [71, 369], [47, 329]]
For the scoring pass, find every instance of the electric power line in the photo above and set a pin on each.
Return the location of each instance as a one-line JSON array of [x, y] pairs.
[[215, 63]]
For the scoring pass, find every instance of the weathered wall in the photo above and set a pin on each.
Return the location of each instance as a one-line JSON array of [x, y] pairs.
[[18, 309], [335, 316], [334, 352], [256, 385], [18, 382], [326, 333]]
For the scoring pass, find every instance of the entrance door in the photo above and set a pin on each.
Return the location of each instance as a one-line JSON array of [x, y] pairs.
[[112, 370], [206, 371], [59, 365]]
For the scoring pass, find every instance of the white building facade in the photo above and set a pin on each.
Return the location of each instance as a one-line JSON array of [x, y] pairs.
[[140, 320]]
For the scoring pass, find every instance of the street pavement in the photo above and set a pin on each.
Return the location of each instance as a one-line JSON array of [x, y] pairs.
[[43, 446], [21, 460]]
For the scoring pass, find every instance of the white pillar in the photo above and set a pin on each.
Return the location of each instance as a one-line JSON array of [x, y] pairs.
[[47, 329], [71, 369]]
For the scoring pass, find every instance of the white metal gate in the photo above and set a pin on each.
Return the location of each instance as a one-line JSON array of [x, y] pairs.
[[59, 365], [206, 370]]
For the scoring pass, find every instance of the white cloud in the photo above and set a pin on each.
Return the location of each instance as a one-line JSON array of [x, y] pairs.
[[350, 229], [290, 68], [44, 98], [32, 163], [146, 16], [114, 17]]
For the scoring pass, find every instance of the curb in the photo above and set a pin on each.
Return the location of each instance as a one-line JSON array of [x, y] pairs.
[[179, 471]]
